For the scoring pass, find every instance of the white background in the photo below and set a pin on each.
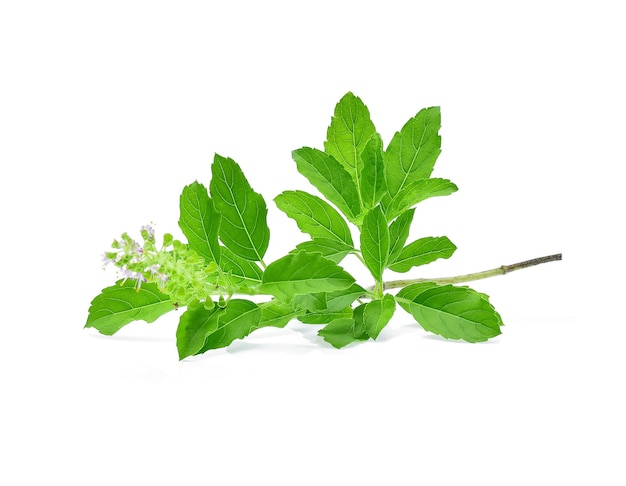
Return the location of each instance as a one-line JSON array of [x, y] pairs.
[[107, 109]]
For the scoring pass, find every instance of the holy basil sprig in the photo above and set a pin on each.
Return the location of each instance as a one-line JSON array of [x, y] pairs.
[[366, 189]]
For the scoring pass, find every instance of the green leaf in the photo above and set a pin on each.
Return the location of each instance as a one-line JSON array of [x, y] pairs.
[[399, 233], [422, 252], [325, 317], [330, 178], [329, 302], [303, 273], [339, 299], [416, 192], [375, 315], [341, 332], [244, 273], [373, 185], [375, 242], [277, 314], [314, 302], [349, 131], [200, 222], [122, 304], [413, 151], [244, 213], [194, 326], [451, 312], [314, 216], [236, 321], [332, 249]]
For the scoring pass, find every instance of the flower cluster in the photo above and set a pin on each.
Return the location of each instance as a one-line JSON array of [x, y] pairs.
[[178, 271]]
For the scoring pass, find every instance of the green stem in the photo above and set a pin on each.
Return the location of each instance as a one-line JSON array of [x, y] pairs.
[[504, 269], [376, 290]]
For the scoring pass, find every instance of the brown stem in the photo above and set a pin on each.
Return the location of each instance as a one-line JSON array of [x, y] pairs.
[[504, 269]]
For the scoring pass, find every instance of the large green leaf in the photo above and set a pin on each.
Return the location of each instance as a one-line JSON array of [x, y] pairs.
[[422, 252], [200, 222], [236, 321], [452, 312], [194, 326], [314, 216], [375, 315], [413, 151], [341, 332], [244, 213], [399, 233], [373, 186], [330, 178], [349, 131], [334, 250], [416, 192], [123, 303], [375, 242], [303, 273]]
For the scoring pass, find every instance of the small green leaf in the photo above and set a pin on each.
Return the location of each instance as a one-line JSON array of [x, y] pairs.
[[349, 131], [422, 252], [451, 312], [375, 242], [244, 213], [399, 233], [339, 299], [375, 315], [303, 273], [277, 314], [330, 178], [200, 222], [123, 303], [314, 216], [314, 302], [194, 326], [373, 185], [325, 317], [334, 250], [413, 151], [341, 332], [244, 273], [329, 302], [416, 192], [236, 321]]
